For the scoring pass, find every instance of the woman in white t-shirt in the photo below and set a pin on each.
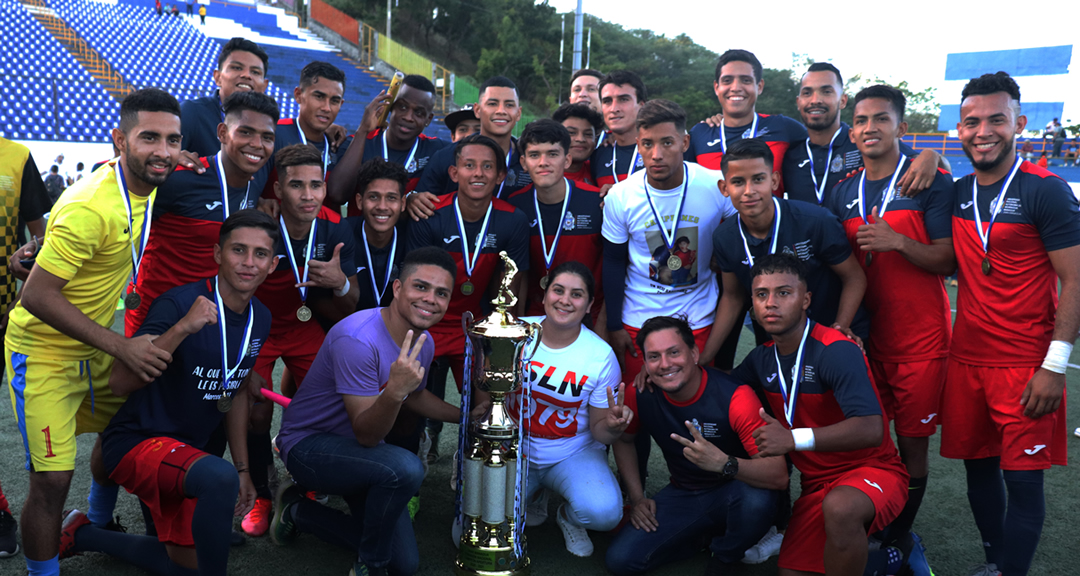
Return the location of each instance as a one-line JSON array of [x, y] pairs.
[[574, 378]]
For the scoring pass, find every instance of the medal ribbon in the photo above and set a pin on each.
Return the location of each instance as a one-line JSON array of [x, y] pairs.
[[307, 253], [412, 153], [887, 197], [226, 372], [775, 233], [796, 377], [326, 147], [723, 134], [501, 184], [225, 189], [615, 162], [470, 261], [136, 256], [669, 239], [371, 264], [550, 256], [819, 189], [995, 206]]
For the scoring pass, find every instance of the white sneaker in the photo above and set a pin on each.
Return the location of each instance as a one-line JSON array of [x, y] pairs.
[[988, 569], [766, 548], [577, 537], [536, 513]]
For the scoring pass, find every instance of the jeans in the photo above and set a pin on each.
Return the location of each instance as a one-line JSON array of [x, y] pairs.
[[376, 483], [734, 515], [591, 491]]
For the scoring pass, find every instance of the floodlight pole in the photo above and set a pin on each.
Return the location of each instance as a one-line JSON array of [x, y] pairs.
[[579, 19]]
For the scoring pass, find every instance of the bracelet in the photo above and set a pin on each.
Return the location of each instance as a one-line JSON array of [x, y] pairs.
[[344, 289], [804, 439], [1057, 356], [243, 471]]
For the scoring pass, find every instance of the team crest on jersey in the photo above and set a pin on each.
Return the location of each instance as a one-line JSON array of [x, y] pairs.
[[510, 176], [568, 221], [412, 166], [7, 184], [639, 162], [696, 424], [837, 164]]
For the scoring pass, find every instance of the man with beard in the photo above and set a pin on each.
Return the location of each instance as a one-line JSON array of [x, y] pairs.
[[1016, 231], [59, 345]]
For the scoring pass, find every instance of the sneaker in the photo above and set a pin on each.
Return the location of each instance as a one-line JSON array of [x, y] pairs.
[[72, 522], [537, 511], [414, 507], [988, 569], [425, 448], [766, 548], [361, 569], [577, 537], [282, 528], [257, 522], [433, 450], [916, 560], [236, 538], [9, 530]]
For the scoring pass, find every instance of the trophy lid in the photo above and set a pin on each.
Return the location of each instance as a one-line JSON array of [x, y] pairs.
[[501, 323]]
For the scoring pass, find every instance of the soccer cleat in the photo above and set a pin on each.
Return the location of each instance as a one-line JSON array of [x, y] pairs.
[[577, 537], [9, 532], [537, 511], [283, 528], [257, 522], [72, 522], [988, 569], [766, 548], [361, 569], [916, 560], [414, 507]]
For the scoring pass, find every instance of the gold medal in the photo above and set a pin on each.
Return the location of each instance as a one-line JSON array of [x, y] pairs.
[[304, 313], [986, 266], [674, 262], [132, 301], [869, 259], [544, 282], [467, 288], [224, 404]]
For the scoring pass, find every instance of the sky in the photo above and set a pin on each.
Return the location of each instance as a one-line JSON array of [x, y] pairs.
[[891, 40]]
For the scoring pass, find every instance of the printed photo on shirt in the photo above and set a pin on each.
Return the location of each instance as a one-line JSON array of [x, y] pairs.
[[678, 266]]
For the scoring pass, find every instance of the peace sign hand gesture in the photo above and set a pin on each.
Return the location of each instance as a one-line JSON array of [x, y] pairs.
[[618, 415], [704, 454], [406, 373]]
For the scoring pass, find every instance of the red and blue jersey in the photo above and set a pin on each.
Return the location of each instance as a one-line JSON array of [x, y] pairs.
[[187, 220], [834, 385], [287, 133], [199, 119], [584, 176], [508, 229], [724, 411], [380, 259], [808, 232], [182, 403], [611, 164], [776, 130], [579, 240], [436, 175], [426, 147], [909, 311], [1006, 318]]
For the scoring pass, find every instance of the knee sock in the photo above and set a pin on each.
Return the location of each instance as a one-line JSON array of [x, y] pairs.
[[1023, 521], [261, 457], [214, 482], [102, 502], [898, 533], [146, 552], [50, 567], [986, 494]]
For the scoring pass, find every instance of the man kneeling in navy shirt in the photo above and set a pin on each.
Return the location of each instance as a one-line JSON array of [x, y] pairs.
[[703, 421], [154, 447]]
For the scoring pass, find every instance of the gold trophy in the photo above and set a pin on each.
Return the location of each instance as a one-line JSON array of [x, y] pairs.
[[491, 472]]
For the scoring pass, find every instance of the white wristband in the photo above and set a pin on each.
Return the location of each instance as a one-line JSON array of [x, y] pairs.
[[1057, 356], [344, 289], [804, 439]]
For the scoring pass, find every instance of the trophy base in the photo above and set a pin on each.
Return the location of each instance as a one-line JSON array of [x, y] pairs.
[[475, 561]]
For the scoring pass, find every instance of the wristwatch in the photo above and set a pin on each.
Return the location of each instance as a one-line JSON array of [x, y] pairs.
[[731, 469]]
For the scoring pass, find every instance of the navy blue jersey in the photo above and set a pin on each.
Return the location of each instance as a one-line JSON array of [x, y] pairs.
[[724, 411], [811, 233], [199, 119], [287, 133], [834, 384], [611, 164], [799, 184], [776, 130], [377, 265], [436, 176], [414, 164], [182, 402]]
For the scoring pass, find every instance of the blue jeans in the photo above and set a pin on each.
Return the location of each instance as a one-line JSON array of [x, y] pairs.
[[735, 516], [376, 483]]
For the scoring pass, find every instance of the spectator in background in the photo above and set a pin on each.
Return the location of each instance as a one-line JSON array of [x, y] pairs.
[[190, 7], [54, 183], [1027, 150], [157, 7], [174, 10], [1042, 162], [1059, 140], [1073, 151], [79, 171], [202, 14]]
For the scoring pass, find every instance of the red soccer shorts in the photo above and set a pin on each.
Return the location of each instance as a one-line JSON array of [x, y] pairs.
[[911, 394], [297, 349], [632, 366], [804, 541], [154, 470], [981, 417]]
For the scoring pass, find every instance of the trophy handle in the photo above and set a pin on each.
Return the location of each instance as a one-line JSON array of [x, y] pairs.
[[536, 332], [466, 319]]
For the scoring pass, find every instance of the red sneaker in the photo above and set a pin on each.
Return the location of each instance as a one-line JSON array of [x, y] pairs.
[[257, 522], [72, 522]]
